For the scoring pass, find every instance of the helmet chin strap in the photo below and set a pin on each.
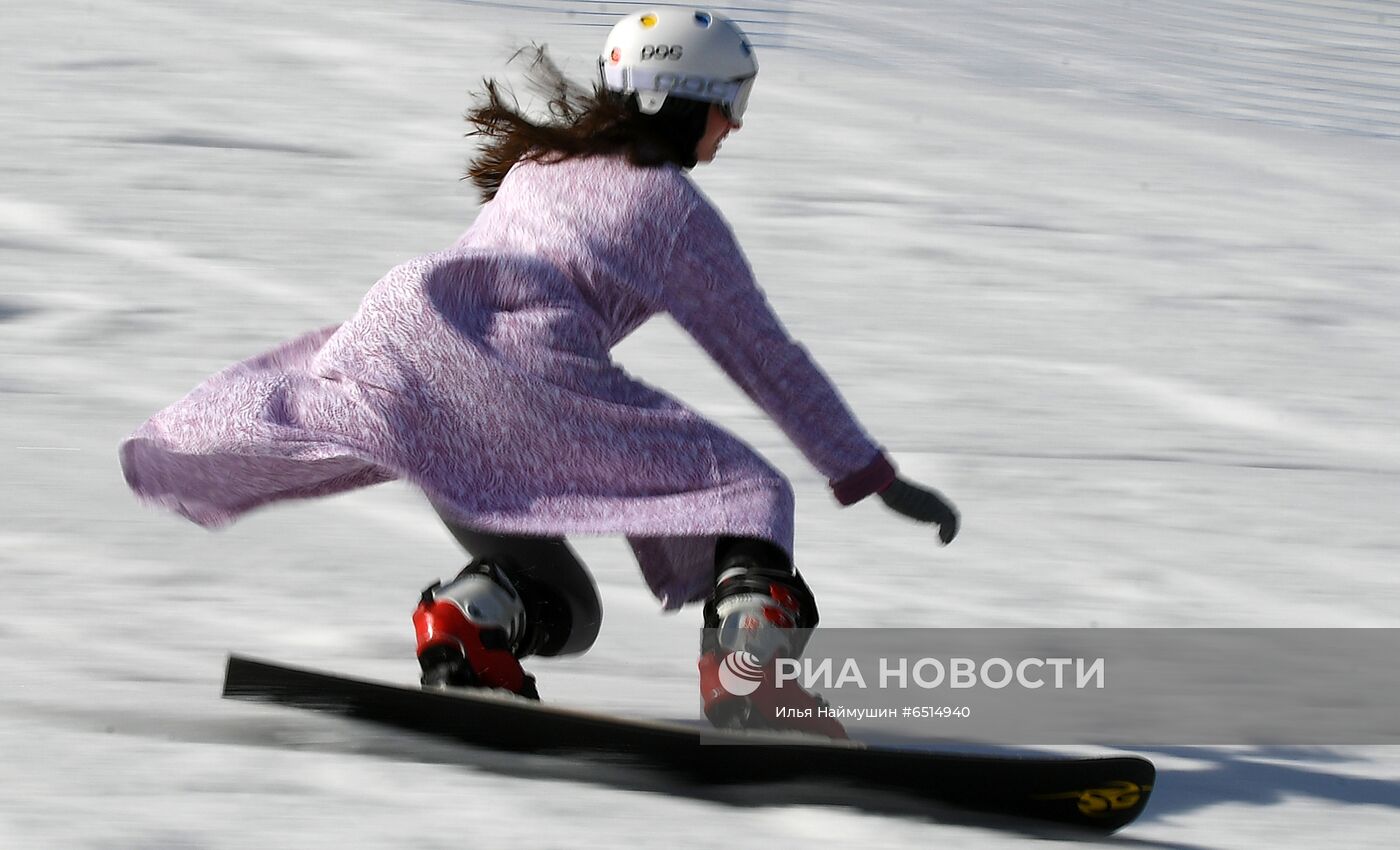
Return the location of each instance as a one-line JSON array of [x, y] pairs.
[[678, 128]]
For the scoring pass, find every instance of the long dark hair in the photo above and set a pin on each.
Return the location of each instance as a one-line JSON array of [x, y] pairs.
[[581, 123]]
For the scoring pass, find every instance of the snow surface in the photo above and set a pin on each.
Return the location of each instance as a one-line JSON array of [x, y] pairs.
[[1117, 276]]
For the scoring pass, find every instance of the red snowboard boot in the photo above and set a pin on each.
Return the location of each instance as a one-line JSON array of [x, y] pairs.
[[758, 615], [760, 702], [468, 631]]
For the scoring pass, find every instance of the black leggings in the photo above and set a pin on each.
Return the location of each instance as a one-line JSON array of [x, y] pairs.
[[549, 562]]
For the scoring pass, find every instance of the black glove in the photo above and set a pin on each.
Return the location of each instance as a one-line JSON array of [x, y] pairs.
[[923, 504]]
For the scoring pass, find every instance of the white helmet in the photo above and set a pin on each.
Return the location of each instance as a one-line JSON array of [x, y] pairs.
[[689, 53]]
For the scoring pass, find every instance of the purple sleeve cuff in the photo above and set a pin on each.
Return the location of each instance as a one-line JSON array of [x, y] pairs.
[[875, 477]]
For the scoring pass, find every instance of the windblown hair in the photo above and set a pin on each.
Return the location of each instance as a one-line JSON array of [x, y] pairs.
[[581, 123]]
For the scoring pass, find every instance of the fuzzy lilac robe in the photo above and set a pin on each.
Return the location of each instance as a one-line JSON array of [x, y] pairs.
[[482, 374]]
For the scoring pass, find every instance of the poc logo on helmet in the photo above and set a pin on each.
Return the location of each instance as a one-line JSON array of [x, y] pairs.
[[662, 51], [704, 87]]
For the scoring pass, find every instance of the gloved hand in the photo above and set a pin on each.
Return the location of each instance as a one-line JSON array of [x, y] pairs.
[[923, 504]]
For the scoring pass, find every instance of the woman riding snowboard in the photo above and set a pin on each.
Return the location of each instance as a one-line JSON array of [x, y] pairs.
[[482, 374]]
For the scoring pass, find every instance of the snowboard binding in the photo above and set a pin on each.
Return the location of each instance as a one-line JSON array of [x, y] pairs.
[[761, 611], [472, 631]]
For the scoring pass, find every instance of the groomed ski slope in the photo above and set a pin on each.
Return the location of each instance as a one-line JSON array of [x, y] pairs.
[[1119, 277]]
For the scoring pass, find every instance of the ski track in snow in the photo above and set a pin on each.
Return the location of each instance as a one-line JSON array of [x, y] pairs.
[[1118, 277], [55, 229], [1180, 398]]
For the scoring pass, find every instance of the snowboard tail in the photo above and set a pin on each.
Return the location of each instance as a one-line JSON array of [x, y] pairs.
[[1097, 794]]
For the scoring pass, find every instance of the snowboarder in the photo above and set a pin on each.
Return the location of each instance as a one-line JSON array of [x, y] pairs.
[[482, 374]]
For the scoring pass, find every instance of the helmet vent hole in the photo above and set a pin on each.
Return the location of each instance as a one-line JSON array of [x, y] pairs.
[[703, 19]]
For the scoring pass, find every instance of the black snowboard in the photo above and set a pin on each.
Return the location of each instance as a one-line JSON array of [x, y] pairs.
[[1098, 794]]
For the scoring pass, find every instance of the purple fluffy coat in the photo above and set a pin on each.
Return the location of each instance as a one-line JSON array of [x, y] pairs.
[[482, 374]]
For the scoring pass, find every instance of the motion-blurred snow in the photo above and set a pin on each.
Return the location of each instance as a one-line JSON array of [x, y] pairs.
[[1119, 277]]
